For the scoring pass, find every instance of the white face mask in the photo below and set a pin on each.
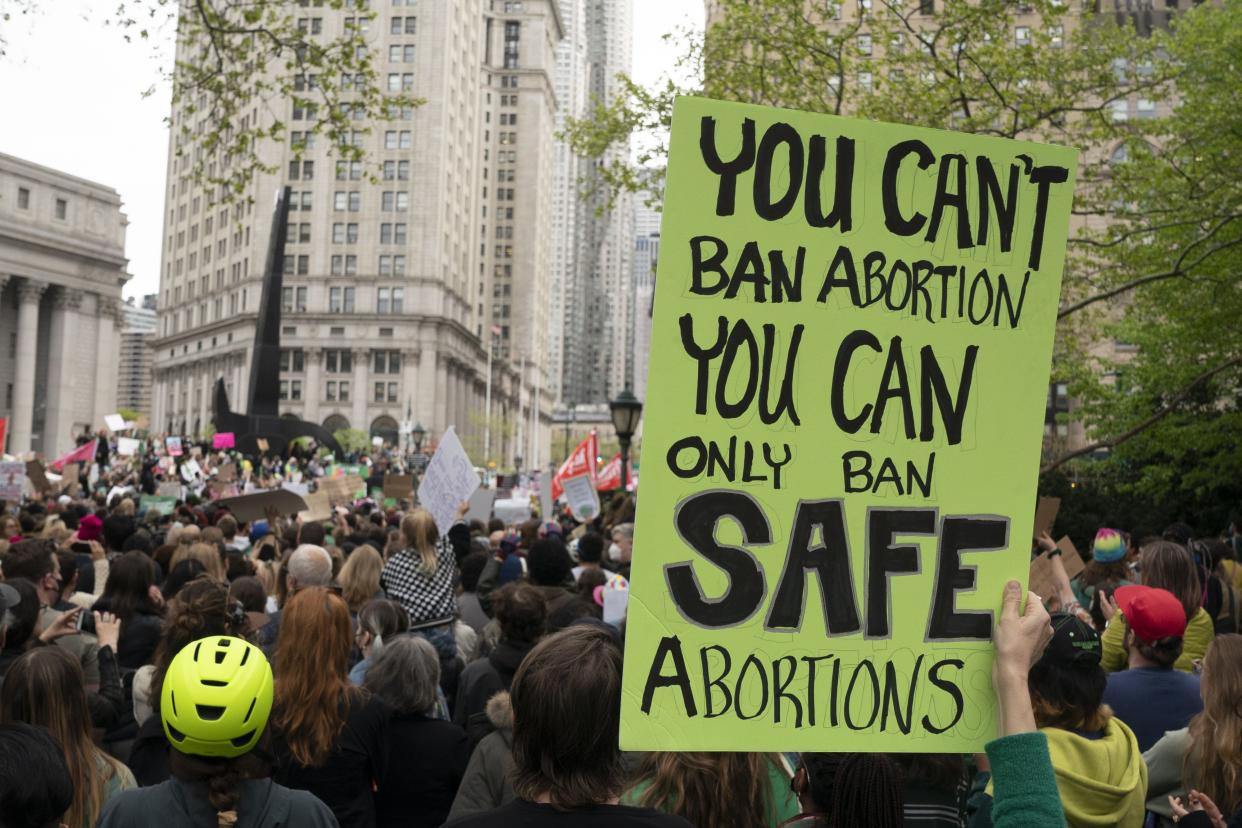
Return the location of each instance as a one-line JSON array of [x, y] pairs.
[[614, 552]]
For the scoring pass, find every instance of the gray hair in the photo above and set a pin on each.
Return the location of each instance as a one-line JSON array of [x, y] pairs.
[[406, 674], [625, 530], [310, 566]]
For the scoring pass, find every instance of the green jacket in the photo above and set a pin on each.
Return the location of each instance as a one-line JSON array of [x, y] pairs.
[[1199, 634], [1025, 794]]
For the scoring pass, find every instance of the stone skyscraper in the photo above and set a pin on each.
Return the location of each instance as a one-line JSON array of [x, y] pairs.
[[594, 275], [388, 297]]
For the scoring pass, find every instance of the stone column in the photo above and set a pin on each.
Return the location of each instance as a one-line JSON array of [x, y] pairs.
[[106, 355], [28, 294], [360, 390], [62, 373], [242, 403], [311, 392], [206, 381], [442, 410], [450, 395], [425, 389]]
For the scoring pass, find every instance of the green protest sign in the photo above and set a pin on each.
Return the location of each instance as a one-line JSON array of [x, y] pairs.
[[162, 504], [851, 344]]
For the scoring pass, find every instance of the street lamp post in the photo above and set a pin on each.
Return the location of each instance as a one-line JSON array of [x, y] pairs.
[[626, 411]]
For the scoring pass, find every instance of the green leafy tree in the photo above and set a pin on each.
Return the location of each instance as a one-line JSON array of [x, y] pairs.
[[1154, 240], [352, 439]]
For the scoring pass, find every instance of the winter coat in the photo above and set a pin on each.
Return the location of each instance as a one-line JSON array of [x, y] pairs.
[[486, 784], [263, 804]]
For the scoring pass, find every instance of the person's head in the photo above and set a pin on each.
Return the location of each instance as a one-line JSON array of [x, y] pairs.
[[1067, 683], [128, 590], [1155, 624], [495, 537], [360, 576], [21, 615], [379, 620], [850, 788], [35, 560], [548, 562], [566, 699], [227, 524], [68, 561], [1178, 533], [1216, 733], [35, 786], [418, 532], [204, 553], [215, 705], [45, 686], [312, 672], [724, 790], [406, 674], [308, 566], [591, 549], [201, 608], [520, 611], [312, 533], [1168, 566], [471, 568], [90, 528], [623, 537], [116, 529], [180, 575], [9, 527]]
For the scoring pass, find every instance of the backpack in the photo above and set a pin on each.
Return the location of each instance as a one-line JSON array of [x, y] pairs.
[[1227, 620]]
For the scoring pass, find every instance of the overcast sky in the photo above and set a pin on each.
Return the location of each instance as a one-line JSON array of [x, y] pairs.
[[73, 100]]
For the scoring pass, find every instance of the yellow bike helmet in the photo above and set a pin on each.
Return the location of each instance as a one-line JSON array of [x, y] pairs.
[[217, 697]]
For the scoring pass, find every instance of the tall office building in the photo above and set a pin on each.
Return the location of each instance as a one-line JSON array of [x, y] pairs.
[[642, 285], [596, 300], [62, 267], [133, 385], [386, 292]]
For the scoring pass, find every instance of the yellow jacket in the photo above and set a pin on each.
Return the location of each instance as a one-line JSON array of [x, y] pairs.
[[1199, 634]]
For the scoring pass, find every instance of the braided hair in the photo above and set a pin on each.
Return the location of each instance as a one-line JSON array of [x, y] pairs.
[[855, 788]]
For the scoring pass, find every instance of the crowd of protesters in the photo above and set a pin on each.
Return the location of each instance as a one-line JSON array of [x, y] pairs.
[[366, 670]]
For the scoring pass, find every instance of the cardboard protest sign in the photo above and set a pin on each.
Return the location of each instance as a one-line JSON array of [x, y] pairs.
[[162, 505], [223, 440], [1046, 515], [12, 479], [127, 446], [1070, 557], [450, 478], [255, 506], [318, 508], [399, 486], [261, 444], [512, 510], [336, 489], [853, 327], [481, 505], [35, 474]]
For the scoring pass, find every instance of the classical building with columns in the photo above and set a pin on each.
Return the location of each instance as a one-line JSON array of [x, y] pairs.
[[62, 267], [400, 271]]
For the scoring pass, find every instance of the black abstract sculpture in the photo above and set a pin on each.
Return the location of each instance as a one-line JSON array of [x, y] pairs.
[[263, 422]]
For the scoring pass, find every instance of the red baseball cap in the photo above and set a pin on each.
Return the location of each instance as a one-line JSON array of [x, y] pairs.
[[1152, 613]]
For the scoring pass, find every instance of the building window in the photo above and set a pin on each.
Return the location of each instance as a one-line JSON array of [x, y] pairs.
[[338, 361], [1022, 35], [864, 44], [292, 360], [62, 209], [23, 198], [1146, 108], [1121, 110], [386, 362], [1056, 36]]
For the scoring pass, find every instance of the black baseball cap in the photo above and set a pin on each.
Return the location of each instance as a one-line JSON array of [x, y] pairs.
[[1073, 641]]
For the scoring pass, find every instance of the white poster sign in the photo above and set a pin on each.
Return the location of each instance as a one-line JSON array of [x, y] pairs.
[[582, 498], [127, 446], [12, 478], [450, 479]]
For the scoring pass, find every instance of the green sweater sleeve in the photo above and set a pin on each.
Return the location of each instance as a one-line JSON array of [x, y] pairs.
[[1114, 657], [1199, 634], [1025, 788]]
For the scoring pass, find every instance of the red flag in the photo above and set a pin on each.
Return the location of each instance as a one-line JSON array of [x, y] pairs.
[[580, 461], [84, 453], [610, 475], [4, 425]]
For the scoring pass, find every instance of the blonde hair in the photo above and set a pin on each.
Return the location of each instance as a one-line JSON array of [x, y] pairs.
[[360, 576], [1213, 762], [419, 532], [204, 553], [126, 508]]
